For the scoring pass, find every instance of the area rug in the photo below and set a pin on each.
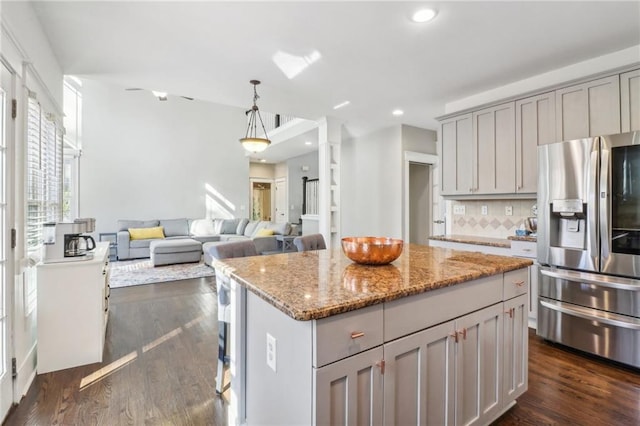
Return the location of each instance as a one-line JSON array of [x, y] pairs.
[[136, 272]]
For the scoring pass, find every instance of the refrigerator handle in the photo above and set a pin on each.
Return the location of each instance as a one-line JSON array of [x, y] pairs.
[[604, 204], [592, 205]]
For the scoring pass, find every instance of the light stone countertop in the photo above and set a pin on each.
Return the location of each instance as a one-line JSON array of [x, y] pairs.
[[318, 284]]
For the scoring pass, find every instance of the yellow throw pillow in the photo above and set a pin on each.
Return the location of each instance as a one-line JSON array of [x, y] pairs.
[[146, 233], [264, 233]]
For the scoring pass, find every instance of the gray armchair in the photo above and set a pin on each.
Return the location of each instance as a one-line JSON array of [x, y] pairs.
[[310, 242]]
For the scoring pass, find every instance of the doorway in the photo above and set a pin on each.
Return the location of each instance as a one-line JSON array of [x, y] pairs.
[[419, 205], [262, 200], [419, 201], [6, 249]]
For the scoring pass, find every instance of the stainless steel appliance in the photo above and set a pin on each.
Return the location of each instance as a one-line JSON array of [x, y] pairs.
[[64, 242], [589, 245]]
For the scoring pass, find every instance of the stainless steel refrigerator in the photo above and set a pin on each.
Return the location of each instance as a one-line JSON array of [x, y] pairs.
[[589, 245]]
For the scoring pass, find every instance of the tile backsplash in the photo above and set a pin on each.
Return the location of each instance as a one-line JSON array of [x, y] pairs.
[[467, 218]]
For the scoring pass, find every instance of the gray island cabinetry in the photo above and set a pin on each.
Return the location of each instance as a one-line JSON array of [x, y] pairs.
[[437, 337]]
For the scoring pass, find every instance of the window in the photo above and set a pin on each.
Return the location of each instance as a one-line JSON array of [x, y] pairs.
[[44, 173], [72, 145]]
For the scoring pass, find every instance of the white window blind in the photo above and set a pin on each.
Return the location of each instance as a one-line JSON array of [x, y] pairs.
[[44, 173]]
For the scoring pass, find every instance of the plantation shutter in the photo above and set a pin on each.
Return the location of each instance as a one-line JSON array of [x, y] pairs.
[[44, 173]]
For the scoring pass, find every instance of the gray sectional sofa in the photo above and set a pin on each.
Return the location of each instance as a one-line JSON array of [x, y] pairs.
[[203, 230]]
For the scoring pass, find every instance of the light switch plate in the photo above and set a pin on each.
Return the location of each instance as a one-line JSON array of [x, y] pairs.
[[508, 210], [484, 210], [271, 352], [458, 209]]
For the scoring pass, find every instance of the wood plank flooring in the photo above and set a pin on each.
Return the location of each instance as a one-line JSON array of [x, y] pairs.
[[166, 336]]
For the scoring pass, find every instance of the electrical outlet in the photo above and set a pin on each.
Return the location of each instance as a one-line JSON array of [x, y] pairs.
[[508, 210], [484, 210], [271, 352], [458, 209]]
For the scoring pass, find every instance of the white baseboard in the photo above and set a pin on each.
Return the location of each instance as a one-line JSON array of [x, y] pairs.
[[26, 374]]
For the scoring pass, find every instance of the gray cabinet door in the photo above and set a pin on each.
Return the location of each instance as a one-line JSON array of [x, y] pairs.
[[535, 125], [630, 101], [588, 109], [515, 358], [349, 392], [478, 366], [457, 155], [494, 149], [419, 378]]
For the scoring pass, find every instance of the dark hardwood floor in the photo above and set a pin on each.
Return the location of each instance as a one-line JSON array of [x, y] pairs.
[[160, 364]]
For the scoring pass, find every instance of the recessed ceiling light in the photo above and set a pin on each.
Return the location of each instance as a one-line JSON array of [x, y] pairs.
[[423, 15], [397, 112], [160, 95], [263, 160], [340, 105], [308, 143]]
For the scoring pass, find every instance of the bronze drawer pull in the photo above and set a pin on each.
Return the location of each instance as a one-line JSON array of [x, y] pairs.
[[356, 334], [455, 336], [464, 333], [519, 283]]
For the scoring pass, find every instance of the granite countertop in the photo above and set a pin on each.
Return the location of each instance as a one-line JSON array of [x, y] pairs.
[[483, 241], [472, 239], [317, 284]]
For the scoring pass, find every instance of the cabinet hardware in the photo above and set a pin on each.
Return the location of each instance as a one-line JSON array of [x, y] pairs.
[[381, 365], [519, 283], [356, 334], [464, 333], [454, 335], [511, 312]]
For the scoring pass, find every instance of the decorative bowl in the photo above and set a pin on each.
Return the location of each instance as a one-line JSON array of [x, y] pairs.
[[372, 250]]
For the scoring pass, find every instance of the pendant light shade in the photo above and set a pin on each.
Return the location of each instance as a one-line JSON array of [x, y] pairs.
[[251, 142]]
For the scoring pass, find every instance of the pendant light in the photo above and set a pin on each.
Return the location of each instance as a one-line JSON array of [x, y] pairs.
[[251, 142]]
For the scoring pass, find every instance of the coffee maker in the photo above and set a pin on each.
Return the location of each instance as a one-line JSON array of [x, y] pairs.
[[64, 242]]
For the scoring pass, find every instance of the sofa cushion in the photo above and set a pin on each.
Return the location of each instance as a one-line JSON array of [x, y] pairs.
[[229, 226], [146, 233], [279, 228], [180, 245], [140, 243], [202, 227], [175, 227], [241, 225], [217, 225], [250, 228], [124, 225]]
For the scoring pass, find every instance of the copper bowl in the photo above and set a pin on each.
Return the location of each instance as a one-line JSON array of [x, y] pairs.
[[372, 250]]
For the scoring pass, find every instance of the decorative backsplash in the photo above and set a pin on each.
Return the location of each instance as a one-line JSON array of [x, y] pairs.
[[495, 223]]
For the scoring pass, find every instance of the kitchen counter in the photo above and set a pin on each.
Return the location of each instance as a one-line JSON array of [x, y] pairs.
[[529, 238], [318, 284], [483, 241], [323, 321]]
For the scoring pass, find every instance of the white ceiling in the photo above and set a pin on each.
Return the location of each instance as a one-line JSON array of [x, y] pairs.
[[371, 53]]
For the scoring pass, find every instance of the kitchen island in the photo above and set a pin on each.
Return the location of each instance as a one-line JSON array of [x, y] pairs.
[[438, 336]]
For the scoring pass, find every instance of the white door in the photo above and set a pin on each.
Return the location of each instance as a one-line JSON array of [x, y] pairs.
[[282, 213], [6, 271]]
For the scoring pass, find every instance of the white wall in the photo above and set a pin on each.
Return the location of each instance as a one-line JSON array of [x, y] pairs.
[[294, 181], [417, 139], [371, 184], [262, 171], [23, 40], [146, 159]]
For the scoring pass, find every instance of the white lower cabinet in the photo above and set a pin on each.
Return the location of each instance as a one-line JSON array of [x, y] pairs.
[[449, 374], [349, 392], [516, 348]]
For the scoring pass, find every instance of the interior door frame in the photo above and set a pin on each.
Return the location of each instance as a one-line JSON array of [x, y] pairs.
[[420, 158], [273, 193]]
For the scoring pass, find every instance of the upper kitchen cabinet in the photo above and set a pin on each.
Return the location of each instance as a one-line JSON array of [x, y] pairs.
[[457, 155], [535, 125], [630, 101], [588, 109], [494, 149]]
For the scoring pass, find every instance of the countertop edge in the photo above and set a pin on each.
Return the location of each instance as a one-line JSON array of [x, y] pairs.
[[297, 315]]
